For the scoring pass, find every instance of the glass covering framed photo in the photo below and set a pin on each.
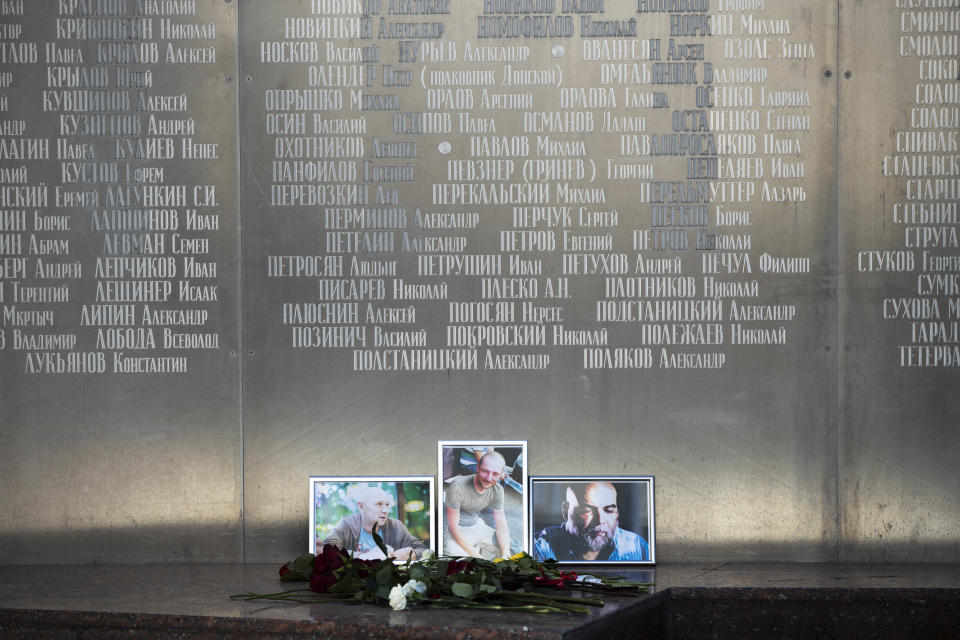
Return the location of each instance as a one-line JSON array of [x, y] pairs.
[[344, 511], [483, 499], [593, 519]]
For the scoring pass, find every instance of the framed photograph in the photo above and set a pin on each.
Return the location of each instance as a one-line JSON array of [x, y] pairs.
[[483, 500], [592, 519], [344, 511]]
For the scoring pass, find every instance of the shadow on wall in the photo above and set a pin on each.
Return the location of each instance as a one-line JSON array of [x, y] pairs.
[[279, 543], [127, 545]]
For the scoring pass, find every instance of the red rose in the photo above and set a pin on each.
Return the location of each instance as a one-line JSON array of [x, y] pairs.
[[321, 582], [330, 559], [284, 570], [366, 567], [324, 566], [543, 581], [458, 566]]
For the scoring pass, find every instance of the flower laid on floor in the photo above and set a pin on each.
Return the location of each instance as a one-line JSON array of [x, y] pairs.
[[438, 581], [411, 592]]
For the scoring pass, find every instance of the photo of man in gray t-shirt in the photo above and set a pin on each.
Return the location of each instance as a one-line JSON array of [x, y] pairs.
[[465, 497]]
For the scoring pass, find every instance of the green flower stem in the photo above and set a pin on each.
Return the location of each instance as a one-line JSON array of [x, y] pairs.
[[464, 604], [575, 605], [298, 599], [632, 589], [540, 597], [545, 596], [267, 595], [293, 595]]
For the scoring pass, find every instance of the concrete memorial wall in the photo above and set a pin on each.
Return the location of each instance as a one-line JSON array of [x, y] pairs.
[[898, 295], [119, 244], [713, 241]]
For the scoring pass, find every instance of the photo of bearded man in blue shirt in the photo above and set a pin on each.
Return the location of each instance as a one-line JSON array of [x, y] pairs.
[[590, 531]]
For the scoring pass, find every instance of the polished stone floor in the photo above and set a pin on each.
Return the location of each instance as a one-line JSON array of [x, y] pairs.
[[195, 595]]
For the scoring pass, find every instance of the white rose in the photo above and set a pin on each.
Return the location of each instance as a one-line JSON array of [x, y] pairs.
[[414, 586], [398, 599], [428, 555]]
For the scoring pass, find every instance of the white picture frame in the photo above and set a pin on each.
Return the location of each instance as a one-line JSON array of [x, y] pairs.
[[458, 460], [578, 520], [335, 502]]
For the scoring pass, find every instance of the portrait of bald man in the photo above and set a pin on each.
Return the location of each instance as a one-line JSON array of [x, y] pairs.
[[354, 533], [482, 512], [589, 529]]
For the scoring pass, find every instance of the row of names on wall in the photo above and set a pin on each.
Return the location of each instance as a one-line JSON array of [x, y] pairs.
[[506, 185]]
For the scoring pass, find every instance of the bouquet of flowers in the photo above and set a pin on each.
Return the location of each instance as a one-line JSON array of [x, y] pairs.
[[437, 581]]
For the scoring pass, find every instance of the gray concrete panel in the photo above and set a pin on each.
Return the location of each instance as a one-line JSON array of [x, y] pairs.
[[744, 454], [899, 260], [623, 249], [120, 437]]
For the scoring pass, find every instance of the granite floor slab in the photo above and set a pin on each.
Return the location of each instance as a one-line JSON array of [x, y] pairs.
[[689, 601]]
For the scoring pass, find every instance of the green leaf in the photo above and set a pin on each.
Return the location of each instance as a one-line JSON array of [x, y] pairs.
[[417, 573], [462, 589], [304, 564], [379, 541], [469, 578], [385, 574], [383, 591], [488, 588], [347, 585]]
